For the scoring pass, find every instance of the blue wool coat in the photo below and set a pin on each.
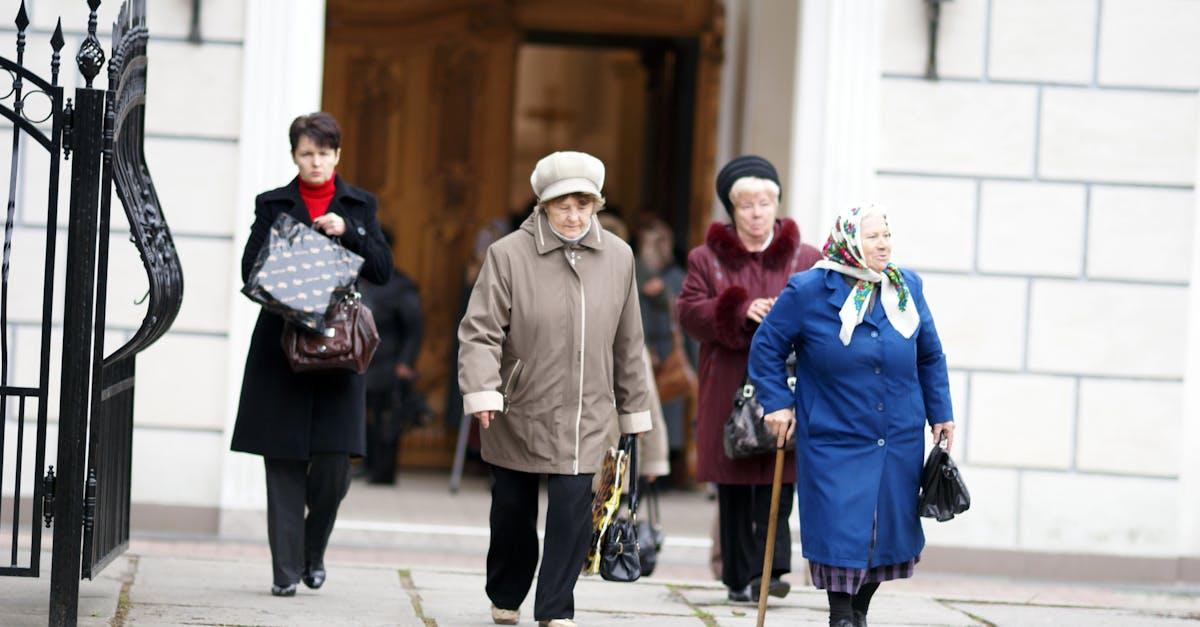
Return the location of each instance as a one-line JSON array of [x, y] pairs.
[[860, 416]]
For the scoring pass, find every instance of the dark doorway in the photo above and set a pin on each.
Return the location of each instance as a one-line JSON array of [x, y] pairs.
[[628, 100]]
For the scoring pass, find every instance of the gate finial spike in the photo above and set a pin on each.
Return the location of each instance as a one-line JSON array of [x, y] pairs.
[[56, 40], [56, 43], [94, 4], [22, 17]]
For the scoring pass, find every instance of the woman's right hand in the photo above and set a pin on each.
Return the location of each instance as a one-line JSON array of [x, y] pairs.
[[781, 422], [759, 308], [485, 417]]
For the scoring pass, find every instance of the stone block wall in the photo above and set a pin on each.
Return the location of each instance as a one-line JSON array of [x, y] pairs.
[[193, 117], [1044, 187]]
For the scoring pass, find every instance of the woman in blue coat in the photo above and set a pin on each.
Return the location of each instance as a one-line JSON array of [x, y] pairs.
[[870, 374]]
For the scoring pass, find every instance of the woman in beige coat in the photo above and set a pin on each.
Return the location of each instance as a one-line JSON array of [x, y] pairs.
[[551, 356]]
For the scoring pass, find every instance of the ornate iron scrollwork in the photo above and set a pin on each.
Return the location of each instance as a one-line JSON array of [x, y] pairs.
[[125, 136]]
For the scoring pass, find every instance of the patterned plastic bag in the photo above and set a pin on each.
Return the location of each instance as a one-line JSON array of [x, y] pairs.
[[300, 273]]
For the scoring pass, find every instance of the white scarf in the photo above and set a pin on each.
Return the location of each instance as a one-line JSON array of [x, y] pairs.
[[844, 255]]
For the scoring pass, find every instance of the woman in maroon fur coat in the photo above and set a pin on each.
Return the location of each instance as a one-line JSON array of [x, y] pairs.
[[732, 281]]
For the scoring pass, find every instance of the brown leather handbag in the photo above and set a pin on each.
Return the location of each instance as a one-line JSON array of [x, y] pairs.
[[674, 376], [348, 342]]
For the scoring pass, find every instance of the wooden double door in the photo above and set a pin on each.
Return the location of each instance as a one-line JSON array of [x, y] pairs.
[[425, 91]]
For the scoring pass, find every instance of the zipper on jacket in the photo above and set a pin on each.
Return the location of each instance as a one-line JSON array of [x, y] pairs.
[[571, 257], [511, 383]]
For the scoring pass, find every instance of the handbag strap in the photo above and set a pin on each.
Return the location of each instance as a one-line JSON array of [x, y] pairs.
[[629, 444]]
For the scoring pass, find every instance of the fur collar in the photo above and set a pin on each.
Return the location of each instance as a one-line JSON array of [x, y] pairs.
[[730, 251]]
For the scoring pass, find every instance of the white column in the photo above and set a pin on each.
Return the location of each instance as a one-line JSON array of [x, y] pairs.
[[834, 136], [283, 56], [1189, 478]]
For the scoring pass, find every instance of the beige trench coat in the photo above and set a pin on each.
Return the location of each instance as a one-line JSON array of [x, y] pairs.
[[554, 332]]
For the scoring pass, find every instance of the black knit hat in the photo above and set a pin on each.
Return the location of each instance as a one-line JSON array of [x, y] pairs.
[[745, 165]]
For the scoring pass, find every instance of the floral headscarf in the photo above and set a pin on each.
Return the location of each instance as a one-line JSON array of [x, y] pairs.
[[844, 254]]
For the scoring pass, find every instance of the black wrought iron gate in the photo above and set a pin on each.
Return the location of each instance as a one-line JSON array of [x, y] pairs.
[[87, 498]]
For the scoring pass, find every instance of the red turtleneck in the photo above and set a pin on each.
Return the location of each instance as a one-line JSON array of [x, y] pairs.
[[317, 197]]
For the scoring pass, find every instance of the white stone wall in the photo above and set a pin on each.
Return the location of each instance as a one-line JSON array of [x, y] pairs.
[[193, 119], [1044, 188]]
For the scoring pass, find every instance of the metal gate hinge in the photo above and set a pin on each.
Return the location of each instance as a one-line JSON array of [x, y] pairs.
[[89, 502], [48, 497], [68, 137]]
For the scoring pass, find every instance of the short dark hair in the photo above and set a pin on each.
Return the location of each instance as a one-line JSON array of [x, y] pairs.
[[320, 127]]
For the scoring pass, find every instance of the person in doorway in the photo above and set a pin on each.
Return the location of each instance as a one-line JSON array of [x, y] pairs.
[[306, 426], [551, 355], [660, 280], [393, 402], [731, 283], [870, 373]]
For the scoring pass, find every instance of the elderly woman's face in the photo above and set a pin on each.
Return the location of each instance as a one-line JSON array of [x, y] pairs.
[[876, 242], [754, 214], [315, 163], [570, 214]]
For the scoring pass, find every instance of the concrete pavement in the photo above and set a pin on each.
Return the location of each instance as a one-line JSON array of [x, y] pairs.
[[160, 582], [414, 555]]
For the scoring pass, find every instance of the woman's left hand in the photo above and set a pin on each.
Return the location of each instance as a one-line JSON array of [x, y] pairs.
[[944, 428], [331, 224]]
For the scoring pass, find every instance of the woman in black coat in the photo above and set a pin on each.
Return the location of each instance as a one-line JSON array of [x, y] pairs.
[[306, 426]]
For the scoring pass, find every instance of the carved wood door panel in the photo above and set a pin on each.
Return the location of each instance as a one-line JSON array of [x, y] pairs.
[[424, 93]]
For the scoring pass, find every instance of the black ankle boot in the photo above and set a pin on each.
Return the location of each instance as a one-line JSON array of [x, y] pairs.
[[860, 619]]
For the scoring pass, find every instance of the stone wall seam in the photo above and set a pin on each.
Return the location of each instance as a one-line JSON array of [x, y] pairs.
[[986, 73], [1087, 229], [1016, 82], [1028, 324], [1132, 378], [978, 232], [1073, 464], [34, 32], [1099, 474], [1017, 179], [1096, 44], [1037, 135]]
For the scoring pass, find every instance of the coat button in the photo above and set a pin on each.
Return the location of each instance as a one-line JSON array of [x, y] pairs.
[[880, 442], [879, 407], [874, 333], [878, 370], [362, 231]]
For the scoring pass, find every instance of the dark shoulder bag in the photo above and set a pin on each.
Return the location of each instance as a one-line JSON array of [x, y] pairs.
[[619, 559], [348, 341], [746, 433]]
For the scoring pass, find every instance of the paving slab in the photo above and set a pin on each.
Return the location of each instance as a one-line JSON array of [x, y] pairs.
[[177, 591], [1039, 616], [26, 601]]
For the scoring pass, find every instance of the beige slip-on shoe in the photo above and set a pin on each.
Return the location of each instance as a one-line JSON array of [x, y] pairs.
[[505, 617], [558, 622]]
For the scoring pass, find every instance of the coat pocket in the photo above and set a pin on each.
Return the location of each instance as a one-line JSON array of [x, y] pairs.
[[510, 380]]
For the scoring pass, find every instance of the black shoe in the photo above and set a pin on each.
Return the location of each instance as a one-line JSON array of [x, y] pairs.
[[842, 622], [740, 596], [284, 591], [776, 588], [313, 577], [860, 619]]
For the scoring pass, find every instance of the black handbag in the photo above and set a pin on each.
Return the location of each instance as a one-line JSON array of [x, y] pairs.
[[943, 492], [619, 560], [650, 533], [746, 433]]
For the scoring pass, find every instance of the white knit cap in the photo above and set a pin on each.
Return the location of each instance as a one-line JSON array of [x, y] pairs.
[[567, 172]]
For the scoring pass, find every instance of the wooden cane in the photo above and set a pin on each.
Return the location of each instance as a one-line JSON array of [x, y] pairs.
[[769, 557]]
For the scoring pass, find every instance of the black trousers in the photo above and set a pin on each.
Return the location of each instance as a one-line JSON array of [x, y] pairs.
[[744, 511], [298, 541], [513, 550], [383, 438]]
